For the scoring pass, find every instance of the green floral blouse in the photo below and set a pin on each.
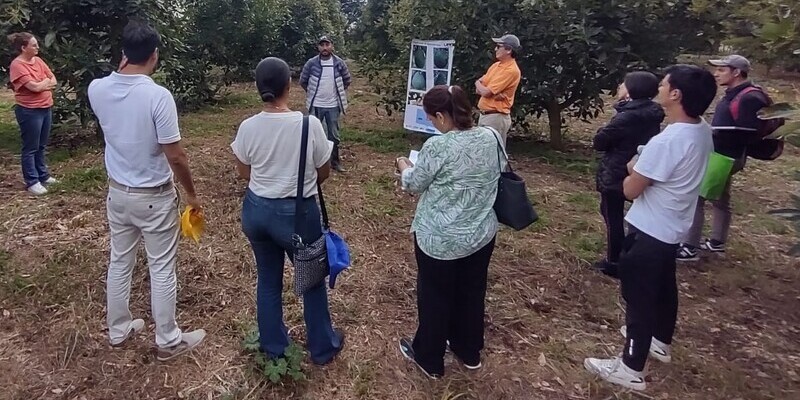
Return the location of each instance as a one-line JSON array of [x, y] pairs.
[[456, 174]]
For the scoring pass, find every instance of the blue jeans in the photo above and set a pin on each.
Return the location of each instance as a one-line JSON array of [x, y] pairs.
[[34, 127], [269, 224], [330, 122]]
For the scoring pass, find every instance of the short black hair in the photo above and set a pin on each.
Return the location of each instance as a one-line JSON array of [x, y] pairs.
[[697, 85], [641, 85], [139, 41]]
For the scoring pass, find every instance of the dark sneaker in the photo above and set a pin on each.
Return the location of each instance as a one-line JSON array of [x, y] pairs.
[[188, 342], [341, 337], [408, 352], [713, 246], [686, 253], [607, 267], [338, 168], [471, 367]]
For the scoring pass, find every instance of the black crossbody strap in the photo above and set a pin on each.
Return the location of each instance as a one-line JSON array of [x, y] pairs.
[[499, 150], [323, 210], [301, 177]]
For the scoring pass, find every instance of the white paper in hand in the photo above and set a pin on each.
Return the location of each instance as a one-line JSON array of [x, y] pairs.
[[412, 156]]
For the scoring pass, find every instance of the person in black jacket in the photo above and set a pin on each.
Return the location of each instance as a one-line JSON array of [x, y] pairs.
[[638, 119]]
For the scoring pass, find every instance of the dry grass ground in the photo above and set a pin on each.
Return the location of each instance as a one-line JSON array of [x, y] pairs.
[[738, 335]]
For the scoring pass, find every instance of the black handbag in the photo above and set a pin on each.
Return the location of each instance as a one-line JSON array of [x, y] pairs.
[[512, 205], [310, 259]]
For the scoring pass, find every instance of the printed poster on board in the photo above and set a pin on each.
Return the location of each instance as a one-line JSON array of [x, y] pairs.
[[430, 64]]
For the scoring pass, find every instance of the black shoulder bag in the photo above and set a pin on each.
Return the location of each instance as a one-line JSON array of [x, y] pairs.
[[310, 259], [512, 205]]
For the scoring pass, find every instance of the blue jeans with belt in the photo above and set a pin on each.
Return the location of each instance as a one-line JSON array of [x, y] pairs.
[[34, 128], [269, 225]]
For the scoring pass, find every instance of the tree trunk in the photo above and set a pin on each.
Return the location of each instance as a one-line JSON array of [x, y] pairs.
[[554, 115]]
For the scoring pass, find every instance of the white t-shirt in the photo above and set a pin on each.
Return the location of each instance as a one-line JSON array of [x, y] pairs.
[[675, 160], [137, 116], [327, 95], [270, 144]]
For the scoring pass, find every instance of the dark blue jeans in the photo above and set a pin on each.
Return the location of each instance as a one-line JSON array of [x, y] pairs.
[[269, 224], [34, 127], [330, 122]]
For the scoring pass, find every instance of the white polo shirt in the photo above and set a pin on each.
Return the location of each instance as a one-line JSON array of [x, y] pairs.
[[137, 117], [675, 160]]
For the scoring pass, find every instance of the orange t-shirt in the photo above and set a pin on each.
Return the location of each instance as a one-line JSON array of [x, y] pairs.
[[20, 73], [501, 78]]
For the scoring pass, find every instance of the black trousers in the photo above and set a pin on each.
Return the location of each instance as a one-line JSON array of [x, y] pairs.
[[647, 272], [451, 304], [612, 206]]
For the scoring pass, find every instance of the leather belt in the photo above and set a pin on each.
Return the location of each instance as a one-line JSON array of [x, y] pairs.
[[141, 190], [488, 112]]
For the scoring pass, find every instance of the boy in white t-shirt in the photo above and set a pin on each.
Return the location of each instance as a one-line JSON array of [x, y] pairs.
[[663, 183]]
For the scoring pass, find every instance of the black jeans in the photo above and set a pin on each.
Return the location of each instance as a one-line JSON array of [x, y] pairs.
[[647, 272], [612, 206], [451, 298]]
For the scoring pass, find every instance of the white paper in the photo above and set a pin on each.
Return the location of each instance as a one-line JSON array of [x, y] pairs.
[[423, 64], [412, 156]]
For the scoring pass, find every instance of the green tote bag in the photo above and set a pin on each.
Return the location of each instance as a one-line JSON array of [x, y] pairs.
[[716, 177]]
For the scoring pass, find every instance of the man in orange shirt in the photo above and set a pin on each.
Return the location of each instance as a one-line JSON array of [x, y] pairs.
[[498, 86]]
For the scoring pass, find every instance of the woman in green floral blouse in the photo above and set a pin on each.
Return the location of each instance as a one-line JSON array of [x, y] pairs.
[[454, 230]]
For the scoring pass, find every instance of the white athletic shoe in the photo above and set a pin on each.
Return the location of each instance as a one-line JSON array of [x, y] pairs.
[[615, 371], [658, 349]]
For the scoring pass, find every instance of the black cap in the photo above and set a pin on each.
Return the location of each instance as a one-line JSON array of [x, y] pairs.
[[323, 39]]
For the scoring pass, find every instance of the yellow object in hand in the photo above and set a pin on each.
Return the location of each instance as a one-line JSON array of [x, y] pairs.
[[192, 223]]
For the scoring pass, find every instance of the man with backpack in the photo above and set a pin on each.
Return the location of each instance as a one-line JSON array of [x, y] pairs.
[[738, 133]]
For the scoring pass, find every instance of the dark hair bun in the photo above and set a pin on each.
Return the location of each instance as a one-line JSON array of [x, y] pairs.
[[272, 78]]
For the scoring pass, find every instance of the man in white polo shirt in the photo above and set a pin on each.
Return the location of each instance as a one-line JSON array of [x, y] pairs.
[[140, 125], [664, 184]]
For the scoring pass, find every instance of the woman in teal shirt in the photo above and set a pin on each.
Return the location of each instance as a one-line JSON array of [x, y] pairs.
[[454, 230]]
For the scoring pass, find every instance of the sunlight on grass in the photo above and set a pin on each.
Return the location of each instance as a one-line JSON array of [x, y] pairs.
[[87, 180], [9, 131], [389, 142], [584, 201], [381, 201], [770, 225], [572, 162]]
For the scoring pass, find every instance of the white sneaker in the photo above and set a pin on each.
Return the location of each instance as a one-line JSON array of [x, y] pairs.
[[51, 181], [37, 189], [137, 326], [615, 371], [658, 349], [188, 342]]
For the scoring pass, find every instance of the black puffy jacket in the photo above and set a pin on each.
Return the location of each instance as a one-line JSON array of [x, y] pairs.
[[635, 123]]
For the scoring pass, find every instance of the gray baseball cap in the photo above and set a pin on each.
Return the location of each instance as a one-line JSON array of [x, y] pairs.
[[734, 61], [324, 38], [508, 40]]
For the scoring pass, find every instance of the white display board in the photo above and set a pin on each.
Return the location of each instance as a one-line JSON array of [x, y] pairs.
[[430, 64]]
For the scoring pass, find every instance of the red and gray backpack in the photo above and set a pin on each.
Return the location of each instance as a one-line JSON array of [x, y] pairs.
[[767, 148]]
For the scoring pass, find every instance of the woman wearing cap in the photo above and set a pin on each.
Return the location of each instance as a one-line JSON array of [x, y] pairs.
[[33, 84], [454, 230], [267, 149]]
